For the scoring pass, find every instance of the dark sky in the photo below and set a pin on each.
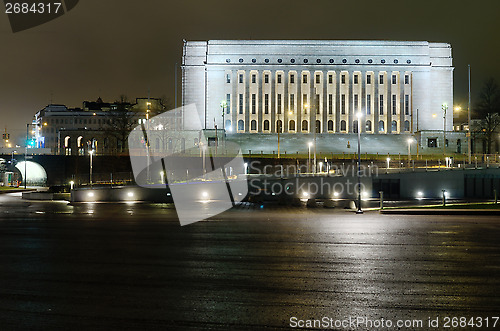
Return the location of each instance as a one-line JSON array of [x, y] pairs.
[[111, 47]]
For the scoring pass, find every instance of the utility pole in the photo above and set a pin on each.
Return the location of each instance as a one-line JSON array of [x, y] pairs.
[[445, 108], [469, 137], [26, 156]]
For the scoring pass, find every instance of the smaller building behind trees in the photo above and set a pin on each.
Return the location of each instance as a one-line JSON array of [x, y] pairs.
[[98, 126]]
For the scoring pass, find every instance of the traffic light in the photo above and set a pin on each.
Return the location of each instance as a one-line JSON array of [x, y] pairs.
[[5, 136]]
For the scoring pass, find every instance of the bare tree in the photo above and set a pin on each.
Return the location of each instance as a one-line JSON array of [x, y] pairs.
[[123, 118], [122, 99], [488, 111], [166, 102], [119, 123]]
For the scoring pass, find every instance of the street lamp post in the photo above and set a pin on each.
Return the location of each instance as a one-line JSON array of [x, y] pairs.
[[223, 105], [309, 156], [278, 129], [469, 142], [26, 156], [445, 108], [359, 211], [91, 152]]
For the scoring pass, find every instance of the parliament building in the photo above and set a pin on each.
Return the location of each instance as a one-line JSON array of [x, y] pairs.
[[255, 89]]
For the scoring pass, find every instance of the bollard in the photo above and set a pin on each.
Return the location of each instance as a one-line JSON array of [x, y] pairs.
[[444, 198], [381, 193]]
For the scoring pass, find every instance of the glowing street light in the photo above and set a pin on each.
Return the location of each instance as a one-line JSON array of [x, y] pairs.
[[91, 152], [445, 108], [410, 141], [72, 184], [388, 162], [309, 156]]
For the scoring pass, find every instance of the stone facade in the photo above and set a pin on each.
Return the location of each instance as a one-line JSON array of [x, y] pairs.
[[263, 87]]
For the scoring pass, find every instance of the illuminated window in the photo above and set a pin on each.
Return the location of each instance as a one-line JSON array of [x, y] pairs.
[[368, 125], [343, 126], [394, 126], [394, 105], [279, 126], [407, 125], [241, 103], [266, 125], [342, 104], [317, 103], [304, 125], [381, 127], [279, 104], [266, 103], [330, 104], [253, 103]]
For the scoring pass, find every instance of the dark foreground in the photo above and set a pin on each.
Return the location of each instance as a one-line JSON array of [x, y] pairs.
[[119, 266]]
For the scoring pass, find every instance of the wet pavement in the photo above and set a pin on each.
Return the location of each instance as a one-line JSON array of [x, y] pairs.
[[131, 266]]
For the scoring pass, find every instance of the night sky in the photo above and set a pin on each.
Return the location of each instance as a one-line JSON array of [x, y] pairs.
[[110, 47]]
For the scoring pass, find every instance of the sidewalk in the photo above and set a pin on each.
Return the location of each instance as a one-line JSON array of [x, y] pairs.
[[443, 211]]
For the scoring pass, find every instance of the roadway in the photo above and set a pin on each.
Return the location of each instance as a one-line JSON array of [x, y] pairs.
[[104, 266]]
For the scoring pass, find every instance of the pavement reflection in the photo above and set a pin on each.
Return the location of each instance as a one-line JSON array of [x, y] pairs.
[[111, 266]]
